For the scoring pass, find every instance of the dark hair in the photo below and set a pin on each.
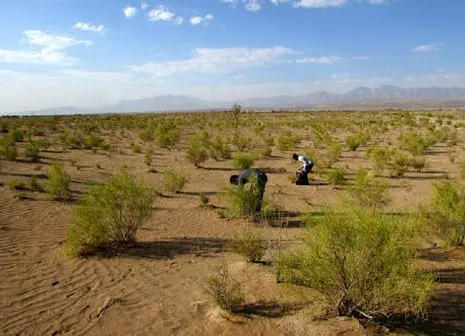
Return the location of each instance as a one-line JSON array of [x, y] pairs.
[[295, 156], [234, 179]]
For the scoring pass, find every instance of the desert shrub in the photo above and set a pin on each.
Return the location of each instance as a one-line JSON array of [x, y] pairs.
[[363, 262], [198, 150], [418, 163], [17, 184], [243, 143], [462, 168], [167, 134], [109, 214], [203, 199], [269, 141], [174, 180], [93, 141], [288, 142], [148, 156], [34, 184], [219, 149], [7, 149], [15, 135], [380, 157], [352, 143], [32, 151], [75, 141], [58, 182], [225, 290], [446, 212], [399, 164], [266, 152], [243, 201], [368, 191], [136, 148], [414, 143], [334, 151], [242, 161], [362, 138], [335, 176], [249, 244]]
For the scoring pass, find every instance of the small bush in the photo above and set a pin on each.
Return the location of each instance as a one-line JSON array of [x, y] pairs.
[[174, 180], [352, 143], [203, 199], [225, 291], [58, 182], [266, 152], [418, 163], [93, 141], [288, 142], [219, 149], [35, 186], [249, 244], [109, 214], [32, 151], [243, 143], [369, 191], [243, 201], [446, 212], [362, 262], [7, 149], [17, 184], [381, 157], [15, 136], [462, 168], [197, 151], [335, 176], [167, 134], [242, 161], [136, 148], [399, 164], [148, 156]]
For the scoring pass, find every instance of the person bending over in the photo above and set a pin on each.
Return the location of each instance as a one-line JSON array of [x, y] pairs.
[[303, 171], [258, 179]]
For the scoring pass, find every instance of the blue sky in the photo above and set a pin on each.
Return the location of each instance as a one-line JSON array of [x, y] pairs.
[[90, 53]]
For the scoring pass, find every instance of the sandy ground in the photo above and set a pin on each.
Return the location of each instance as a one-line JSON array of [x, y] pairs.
[[157, 287]]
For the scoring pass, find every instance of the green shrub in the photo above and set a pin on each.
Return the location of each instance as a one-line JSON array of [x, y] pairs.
[[399, 164], [446, 212], [266, 152], [35, 186], [203, 199], [148, 156], [414, 143], [219, 149], [75, 141], [167, 134], [335, 176], [32, 151], [58, 182], [288, 142], [369, 191], [363, 262], [249, 244], [225, 290], [462, 168], [243, 143], [243, 201], [352, 143], [418, 163], [93, 141], [242, 161], [109, 214], [136, 148], [174, 180], [7, 149], [198, 150], [334, 151], [17, 184], [15, 136], [381, 157]]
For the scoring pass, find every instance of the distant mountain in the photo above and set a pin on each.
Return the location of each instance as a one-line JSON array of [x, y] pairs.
[[382, 96]]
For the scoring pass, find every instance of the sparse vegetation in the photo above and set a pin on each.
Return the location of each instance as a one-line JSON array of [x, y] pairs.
[[249, 244], [174, 180], [225, 290], [243, 161], [58, 182], [335, 176]]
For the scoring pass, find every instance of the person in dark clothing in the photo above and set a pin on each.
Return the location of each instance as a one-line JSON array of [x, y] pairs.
[[258, 179], [304, 170]]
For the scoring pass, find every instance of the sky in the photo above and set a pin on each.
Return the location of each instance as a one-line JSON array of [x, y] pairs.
[[89, 53]]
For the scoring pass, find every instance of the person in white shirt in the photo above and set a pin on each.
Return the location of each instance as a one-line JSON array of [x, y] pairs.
[[304, 170]]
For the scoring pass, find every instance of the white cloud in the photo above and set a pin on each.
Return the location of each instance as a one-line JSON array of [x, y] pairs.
[[52, 42], [253, 5], [44, 56], [196, 20], [208, 61], [90, 27], [428, 47], [129, 11], [161, 13], [319, 3], [49, 51], [361, 57], [321, 60], [144, 6]]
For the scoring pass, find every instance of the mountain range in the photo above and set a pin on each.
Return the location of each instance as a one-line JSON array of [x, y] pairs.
[[361, 97]]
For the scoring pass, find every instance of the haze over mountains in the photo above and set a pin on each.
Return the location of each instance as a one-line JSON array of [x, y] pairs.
[[360, 97]]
